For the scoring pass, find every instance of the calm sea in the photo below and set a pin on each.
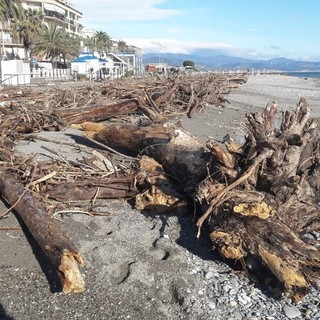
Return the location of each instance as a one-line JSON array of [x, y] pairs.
[[304, 74]]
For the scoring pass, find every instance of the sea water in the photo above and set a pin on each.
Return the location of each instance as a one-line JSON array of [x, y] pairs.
[[304, 74]]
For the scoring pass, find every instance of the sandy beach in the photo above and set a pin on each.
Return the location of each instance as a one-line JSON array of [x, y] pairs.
[[139, 266], [254, 95]]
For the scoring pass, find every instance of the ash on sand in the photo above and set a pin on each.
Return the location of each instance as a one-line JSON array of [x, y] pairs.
[[140, 266]]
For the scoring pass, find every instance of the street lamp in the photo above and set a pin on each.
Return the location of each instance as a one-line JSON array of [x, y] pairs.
[[159, 52]]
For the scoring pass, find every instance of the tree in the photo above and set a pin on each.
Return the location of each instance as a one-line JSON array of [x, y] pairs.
[[27, 28], [73, 46], [101, 41], [188, 63], [122, 46], [87, 42], [10, 10], [52, 42]]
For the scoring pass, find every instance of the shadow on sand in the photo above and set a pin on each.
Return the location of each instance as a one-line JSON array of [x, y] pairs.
[[4, 315], [46, 266]]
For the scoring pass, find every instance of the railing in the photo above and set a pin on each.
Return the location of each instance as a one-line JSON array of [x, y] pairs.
[[50, 73], [15, 79], [54, 14], [43, 76], [35, 75]]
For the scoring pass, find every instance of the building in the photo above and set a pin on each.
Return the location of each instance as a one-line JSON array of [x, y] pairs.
[[160, 67], [86, 65], [126, 60], [133, 58], [61, 12]]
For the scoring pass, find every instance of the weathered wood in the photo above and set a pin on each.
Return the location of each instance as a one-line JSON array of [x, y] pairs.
[[260, 199], [273, 228], [100, 113], [110, 188], [52, 238], [181, 154]]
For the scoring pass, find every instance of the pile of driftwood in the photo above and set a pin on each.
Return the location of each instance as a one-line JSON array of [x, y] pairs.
[[33, 188], [259, 199]]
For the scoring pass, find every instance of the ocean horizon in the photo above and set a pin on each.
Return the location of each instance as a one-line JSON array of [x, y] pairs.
[[304, 74]]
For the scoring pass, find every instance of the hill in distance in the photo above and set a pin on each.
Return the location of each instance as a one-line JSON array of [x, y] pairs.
[[210, 60]]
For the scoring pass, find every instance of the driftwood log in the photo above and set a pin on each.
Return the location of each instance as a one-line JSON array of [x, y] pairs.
[[99, 114], [111, 188], [181, 154], [260, 199], [52, 238]]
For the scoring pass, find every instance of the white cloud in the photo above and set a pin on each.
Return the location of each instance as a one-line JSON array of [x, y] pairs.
[[176, 46], [122, 10], [193, 47]]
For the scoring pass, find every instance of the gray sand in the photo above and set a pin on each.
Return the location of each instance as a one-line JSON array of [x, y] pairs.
[[140, 266]]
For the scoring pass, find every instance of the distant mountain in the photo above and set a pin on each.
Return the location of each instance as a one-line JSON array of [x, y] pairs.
[[210, 60]]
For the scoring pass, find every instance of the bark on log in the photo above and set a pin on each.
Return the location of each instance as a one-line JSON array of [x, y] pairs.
[[181, 154], [111, 188], [52, 238], [100, 113]]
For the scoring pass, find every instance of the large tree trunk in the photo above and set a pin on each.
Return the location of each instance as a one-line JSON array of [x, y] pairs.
[[260, 199], [181, 154], [52, 238]]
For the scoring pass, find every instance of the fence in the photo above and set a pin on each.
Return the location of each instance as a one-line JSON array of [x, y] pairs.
[[51, 73], [15, 72], [36, 76], [15, 79]]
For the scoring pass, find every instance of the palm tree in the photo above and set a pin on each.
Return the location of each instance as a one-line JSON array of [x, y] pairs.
[[101, 41], [50, 42], [72, 46], [122, 46], [27, 28], [54, 42], [9, 10]]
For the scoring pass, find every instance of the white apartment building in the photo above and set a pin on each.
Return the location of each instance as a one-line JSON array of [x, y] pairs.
[[61, 12]]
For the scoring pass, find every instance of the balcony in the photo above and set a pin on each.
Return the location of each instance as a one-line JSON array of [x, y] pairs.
[[54, 14]]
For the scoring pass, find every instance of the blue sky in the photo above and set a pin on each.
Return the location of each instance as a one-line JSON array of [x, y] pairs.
[[246, 28]]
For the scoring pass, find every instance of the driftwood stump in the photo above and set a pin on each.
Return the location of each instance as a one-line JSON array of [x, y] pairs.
[[271, 205]]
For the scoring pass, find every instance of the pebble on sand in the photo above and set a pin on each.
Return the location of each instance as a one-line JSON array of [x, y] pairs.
[[291, 312]]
